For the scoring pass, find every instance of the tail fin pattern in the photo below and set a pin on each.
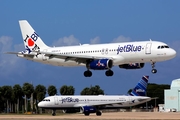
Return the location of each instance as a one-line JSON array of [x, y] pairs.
[[141, 87], [32, 41]]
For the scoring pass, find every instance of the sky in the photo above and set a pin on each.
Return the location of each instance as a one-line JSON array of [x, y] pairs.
[[70, 22]]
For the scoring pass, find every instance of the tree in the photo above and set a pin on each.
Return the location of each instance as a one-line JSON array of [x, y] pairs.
[[67, 90], [156, 90], [96, 90], [7, 93], [18, 94], [52, 90], [129, 91], [40, 89], [28, 90], [39, 95], [1, 100], [86, 91]]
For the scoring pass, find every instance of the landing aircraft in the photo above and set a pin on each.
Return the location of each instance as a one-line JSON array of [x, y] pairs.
[[93, 104], [126, 55]]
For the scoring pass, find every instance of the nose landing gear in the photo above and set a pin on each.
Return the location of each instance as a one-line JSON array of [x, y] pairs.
[[153, 69]]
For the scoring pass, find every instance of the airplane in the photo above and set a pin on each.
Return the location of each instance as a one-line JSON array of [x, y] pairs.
[[94, 103], [126, 55]]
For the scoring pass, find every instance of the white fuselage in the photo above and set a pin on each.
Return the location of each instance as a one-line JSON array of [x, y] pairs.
[[120, 53], [65, 102]]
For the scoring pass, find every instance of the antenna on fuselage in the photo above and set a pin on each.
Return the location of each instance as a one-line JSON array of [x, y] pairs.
[[150, 39]]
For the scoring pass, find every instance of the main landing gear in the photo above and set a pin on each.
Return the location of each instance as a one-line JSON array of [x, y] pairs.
[[88, 73], [98, 113], [153, 70], [53, 112], [109, 73]]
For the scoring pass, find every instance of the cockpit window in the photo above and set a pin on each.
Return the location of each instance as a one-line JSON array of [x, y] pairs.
[[162, 46], [46, 100]]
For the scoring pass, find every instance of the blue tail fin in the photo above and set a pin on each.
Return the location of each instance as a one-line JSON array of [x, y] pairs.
[[141, 87]]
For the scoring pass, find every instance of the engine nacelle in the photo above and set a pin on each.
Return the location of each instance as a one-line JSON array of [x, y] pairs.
[[132, 66], [71, 110], [101, 64], [88, 109]]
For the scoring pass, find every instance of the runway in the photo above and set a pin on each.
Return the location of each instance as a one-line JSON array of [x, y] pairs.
[[105, 116]]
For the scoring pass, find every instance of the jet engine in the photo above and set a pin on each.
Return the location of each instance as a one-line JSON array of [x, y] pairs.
[[100, 64], [71, 110], [132, 66], [88, 109]]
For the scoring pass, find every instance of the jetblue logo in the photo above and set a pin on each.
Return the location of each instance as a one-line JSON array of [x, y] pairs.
[[129, 48], [70, 99], [140, 90]]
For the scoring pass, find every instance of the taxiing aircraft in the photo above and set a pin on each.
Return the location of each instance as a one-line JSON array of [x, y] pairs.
[[93, 104], [127, 55]]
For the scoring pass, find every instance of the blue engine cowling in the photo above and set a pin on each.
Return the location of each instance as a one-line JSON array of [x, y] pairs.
[[100, 64], [89, 109], [132, 66]]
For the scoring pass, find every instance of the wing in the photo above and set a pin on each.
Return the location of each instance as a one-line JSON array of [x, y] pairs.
[[77, 58], [97, 104]]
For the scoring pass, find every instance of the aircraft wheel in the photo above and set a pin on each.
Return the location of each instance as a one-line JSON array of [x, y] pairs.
[[154, 71], [98, 113], [86, 114], [109, 73], [87, 73]]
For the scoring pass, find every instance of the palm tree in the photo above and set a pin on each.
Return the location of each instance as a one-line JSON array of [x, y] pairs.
[[18, 93], [96, 90], [85, 91], [7, 93], [28, 90], [52, 90], [39, 94], [67, 90]]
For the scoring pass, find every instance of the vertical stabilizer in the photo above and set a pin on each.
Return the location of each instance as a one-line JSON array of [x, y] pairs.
[[141, 87], [32, 41]]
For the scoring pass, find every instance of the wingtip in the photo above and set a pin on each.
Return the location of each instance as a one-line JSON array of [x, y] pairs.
[[22, 21]]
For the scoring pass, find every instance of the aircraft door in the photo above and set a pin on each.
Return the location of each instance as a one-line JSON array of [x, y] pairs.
[[44, 58], [148, 48], [131, 101], [86, 100], [104, 51], [56, 101]]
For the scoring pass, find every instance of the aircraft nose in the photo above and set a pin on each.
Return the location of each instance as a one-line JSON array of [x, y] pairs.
[[40, 104], [172, 53]]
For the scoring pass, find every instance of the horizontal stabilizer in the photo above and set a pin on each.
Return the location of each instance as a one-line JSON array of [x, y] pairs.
[[12, 53], [19, 53]]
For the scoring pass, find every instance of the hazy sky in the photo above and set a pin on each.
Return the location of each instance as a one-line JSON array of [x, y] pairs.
[[70, 22]]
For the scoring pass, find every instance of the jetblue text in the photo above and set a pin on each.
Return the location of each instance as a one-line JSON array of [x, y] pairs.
[[129, 48]]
